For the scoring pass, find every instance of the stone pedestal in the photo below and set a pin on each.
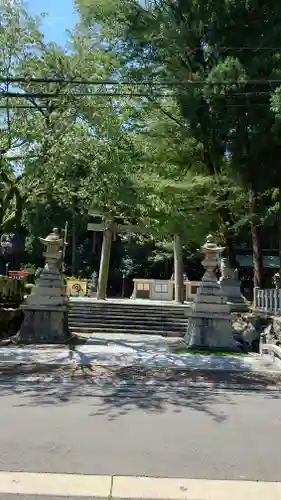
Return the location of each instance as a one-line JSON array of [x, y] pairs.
[[210, 325], [230, 286], [46, 309]]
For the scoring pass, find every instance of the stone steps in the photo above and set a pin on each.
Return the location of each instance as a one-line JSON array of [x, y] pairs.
[[92, 330], [118, 315], [95, 317], [129, 321]]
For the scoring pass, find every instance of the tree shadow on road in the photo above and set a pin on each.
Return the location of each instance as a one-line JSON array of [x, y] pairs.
[[113, 392], [157, 400]]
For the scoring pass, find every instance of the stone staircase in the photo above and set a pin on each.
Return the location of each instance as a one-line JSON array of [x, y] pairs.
[[88, 316]]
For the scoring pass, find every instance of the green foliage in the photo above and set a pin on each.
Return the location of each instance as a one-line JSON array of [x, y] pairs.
[[157, 156], [11, 202], [220, 62]]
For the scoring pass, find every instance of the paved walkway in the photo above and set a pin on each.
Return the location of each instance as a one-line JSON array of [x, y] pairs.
[[142, 488], [140, 351]]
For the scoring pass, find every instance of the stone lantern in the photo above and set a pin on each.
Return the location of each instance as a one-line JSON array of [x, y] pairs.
[[210, 321], [46, 309], [230, 286]]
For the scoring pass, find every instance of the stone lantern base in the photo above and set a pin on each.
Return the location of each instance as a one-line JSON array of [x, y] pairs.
[[44, 324], [210, 325]]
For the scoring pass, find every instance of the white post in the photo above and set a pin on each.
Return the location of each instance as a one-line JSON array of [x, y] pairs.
[[256, 296], [275, 300], [266, 299], [271, 300]]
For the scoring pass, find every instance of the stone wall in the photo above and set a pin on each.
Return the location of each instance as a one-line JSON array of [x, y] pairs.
[[272, 333], [10, 321], [11, 296], [255, 326]]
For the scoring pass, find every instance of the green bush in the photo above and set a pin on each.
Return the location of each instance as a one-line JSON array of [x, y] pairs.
[[31, 270]]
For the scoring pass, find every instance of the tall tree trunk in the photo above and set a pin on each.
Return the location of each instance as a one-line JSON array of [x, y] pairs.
[[104, 264], [178, 270], [256, 239]]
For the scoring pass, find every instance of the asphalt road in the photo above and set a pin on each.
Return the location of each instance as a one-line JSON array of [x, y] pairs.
[[192, 434]]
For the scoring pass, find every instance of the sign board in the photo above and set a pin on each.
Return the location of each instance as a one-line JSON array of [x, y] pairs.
[[96, 227], [76, 288]]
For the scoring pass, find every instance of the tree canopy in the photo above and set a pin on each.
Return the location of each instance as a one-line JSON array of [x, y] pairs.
[[165, 113]]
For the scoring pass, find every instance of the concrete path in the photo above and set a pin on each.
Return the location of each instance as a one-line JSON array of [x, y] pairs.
[[143, 351]]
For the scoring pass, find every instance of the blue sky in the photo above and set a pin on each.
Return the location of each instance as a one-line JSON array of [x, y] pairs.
[[61, 17]]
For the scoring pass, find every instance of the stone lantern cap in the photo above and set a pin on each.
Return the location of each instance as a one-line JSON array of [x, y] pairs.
[[210, 244], [53, 237], [53, 244], [211, 253]]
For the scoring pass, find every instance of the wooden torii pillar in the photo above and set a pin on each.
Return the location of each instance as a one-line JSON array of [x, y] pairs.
[[109, 229], [178, 270]]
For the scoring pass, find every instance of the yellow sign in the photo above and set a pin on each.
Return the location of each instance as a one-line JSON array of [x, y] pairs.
[[76, 288]]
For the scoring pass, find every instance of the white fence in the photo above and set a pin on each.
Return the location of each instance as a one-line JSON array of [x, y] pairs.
[[268, 300]]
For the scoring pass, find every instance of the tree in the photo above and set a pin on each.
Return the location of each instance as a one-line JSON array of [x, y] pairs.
[[11, 205], [222, 89]]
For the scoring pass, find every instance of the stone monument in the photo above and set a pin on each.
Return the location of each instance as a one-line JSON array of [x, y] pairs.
[[210, 321], [46, 309], [230, 286]]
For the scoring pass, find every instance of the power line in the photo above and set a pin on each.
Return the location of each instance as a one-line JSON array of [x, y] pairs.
[[56, 95], [15, 106], [248, 106], [45, 95], [226, 47], [51, 95], [135, 83]]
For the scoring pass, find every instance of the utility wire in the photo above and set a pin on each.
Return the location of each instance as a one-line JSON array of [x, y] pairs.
[[222, 97], [201, 106], [51, 95], [169, 83]]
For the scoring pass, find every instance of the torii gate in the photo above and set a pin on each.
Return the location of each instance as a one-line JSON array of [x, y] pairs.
[[109, 228]]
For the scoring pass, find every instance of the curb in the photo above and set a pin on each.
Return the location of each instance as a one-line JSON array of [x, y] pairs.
[[133, 487]]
